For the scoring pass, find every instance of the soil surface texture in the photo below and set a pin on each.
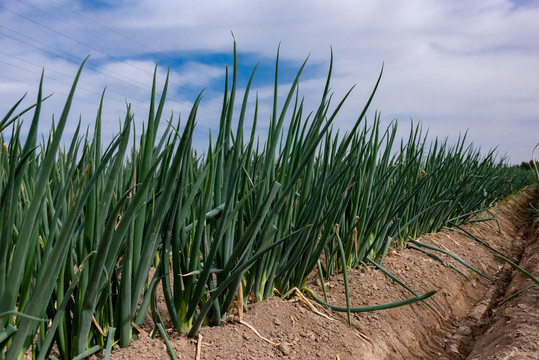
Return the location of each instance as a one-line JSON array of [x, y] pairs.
[[467, 323]]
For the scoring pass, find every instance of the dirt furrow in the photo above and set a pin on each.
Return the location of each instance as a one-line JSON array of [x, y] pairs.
[[513, 327]]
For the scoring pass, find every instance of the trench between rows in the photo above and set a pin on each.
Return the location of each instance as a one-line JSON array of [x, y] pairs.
[[454, 337], [470, 332]]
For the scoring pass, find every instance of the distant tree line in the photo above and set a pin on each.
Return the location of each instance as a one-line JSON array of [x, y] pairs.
[[527, 165]]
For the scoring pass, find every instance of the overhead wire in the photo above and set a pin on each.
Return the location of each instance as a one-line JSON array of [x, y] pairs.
[[83, 87], [92, 68], [91, 47], [73, 59], [77, 61], [52, 91], [135, 41]]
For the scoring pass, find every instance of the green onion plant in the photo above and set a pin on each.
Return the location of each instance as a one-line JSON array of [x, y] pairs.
[[81, 226]]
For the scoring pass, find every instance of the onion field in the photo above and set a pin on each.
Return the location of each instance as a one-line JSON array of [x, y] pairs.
[[82, 222]]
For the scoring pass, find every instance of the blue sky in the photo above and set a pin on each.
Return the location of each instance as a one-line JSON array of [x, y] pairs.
[[455, 66]]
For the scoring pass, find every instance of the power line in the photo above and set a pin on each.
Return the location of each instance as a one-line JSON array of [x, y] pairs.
[[45, 26], [50, 77], [39, 48], [81, 42], [69, 57], [117, 33], [140, 44], [71, 24], [57, 92], [77, 61], [106, 27], [61, 73]]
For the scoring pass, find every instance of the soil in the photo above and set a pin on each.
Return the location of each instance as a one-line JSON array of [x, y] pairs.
[[467, 323]]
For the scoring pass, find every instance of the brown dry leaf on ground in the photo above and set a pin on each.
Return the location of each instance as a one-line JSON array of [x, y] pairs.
[[467, 323]]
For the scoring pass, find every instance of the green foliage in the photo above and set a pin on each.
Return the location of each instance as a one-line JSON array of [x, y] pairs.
[[530, 165], [80, 229]]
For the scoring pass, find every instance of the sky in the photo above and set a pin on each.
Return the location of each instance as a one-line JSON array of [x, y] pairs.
[[452, 66]]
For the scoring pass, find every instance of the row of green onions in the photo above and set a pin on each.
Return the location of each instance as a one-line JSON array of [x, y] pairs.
[[82, 225]]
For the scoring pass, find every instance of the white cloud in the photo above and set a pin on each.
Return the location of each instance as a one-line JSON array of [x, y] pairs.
[[455, 65], [197, 75]]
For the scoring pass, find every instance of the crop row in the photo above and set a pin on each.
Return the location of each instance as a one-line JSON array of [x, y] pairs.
[[82, 225]]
